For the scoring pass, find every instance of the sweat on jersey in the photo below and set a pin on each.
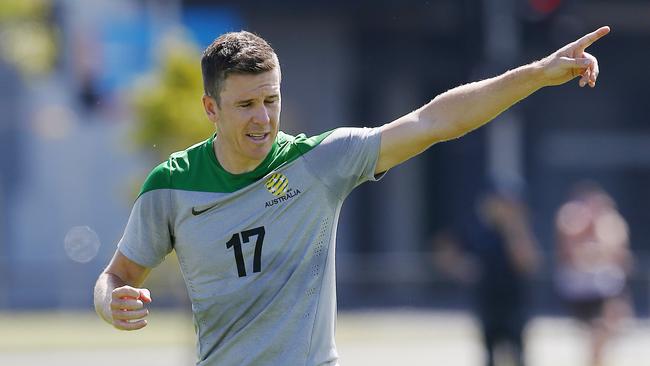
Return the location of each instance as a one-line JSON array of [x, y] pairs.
[[256, 250]]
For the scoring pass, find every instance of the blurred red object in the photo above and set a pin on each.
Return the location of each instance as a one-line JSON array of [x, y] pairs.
[[545, 6]]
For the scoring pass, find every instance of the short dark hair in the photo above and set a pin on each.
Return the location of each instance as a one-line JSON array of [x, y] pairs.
[[235, 53]]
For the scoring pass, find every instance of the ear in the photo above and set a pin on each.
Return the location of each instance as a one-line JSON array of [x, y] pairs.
[[211, 108]]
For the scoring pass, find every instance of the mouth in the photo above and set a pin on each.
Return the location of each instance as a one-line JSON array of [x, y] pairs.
[[257, 136]]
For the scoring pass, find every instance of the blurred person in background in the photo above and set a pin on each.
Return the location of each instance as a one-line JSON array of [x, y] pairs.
[[252, 212], [495, 252], [594, 262]]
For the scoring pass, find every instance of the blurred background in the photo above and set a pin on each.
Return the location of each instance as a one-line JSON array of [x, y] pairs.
[[95, 93]]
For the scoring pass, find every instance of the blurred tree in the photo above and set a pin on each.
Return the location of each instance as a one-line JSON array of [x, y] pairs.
[[12, 9], [167, 103], [28, 37]]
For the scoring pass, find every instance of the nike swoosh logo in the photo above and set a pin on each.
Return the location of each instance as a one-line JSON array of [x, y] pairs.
[[196, 212]]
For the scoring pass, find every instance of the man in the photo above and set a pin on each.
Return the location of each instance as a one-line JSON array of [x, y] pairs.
[[594, 263], [252, 212], [495, 251]]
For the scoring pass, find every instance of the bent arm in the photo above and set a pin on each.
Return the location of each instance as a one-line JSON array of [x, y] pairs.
[[117, 292], [467, 107], [520, 241]]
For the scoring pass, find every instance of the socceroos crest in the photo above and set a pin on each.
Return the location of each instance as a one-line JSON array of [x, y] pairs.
[[278, 185]]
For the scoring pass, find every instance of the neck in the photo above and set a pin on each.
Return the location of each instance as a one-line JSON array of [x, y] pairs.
[[232, 164]]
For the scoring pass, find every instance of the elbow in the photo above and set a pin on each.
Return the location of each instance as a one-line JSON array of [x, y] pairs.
[[440, 130], [438, 126]]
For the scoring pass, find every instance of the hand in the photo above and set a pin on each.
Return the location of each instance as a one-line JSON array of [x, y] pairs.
[[126, 307], [572, 60]]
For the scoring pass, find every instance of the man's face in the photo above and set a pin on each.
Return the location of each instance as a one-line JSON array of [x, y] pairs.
[[247, 119]]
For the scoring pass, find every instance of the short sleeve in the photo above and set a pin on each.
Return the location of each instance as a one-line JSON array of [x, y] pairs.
[[148, 237], [346, 158]]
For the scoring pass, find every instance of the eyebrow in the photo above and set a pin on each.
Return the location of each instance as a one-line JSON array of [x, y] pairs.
[[244, 101]]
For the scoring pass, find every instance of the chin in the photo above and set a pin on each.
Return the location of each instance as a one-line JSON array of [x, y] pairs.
[[260, 153]]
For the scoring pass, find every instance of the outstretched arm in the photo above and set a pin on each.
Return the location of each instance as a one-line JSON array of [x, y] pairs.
[[467, 107]]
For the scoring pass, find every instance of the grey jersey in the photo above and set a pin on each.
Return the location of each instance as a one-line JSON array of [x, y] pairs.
[[257, 249]]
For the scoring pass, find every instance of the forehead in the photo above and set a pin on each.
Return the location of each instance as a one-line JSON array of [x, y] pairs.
[[239, 86]]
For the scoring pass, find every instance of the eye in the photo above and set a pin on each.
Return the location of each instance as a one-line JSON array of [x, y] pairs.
[[245, 104], [271, 101]]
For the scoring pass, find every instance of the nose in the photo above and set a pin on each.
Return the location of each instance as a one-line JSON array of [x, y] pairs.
[[262, 115]]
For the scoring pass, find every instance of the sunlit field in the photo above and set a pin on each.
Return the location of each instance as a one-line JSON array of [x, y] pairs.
[[364, 338]]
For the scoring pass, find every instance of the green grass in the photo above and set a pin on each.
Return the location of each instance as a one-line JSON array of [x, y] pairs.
[[379, 338], [42, 330]]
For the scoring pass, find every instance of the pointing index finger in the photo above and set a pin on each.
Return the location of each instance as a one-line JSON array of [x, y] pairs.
[[589, 39]]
